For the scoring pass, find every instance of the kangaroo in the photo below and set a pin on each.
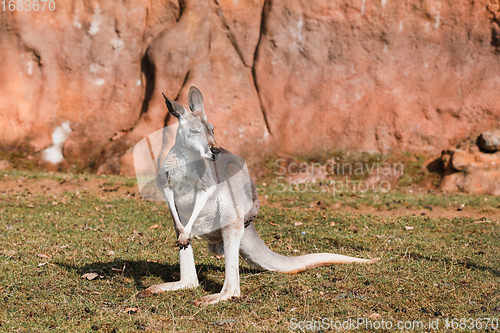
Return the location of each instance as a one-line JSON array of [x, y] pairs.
[[209, 193]]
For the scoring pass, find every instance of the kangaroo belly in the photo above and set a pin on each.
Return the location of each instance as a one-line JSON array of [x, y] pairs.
[[207, 225], [185, 198]]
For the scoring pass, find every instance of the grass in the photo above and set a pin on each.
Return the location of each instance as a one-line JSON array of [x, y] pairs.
[[441, 269], [298, 197]]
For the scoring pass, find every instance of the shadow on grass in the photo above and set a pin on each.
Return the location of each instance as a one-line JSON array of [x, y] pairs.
[[138, 270]]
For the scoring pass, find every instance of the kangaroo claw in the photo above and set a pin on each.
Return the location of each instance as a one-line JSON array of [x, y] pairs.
[[184, 244]]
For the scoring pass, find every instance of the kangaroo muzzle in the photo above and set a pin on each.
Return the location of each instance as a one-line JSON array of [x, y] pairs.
[[215, 152]]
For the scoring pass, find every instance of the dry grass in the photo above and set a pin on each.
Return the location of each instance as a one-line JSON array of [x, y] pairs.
[[443, 268]]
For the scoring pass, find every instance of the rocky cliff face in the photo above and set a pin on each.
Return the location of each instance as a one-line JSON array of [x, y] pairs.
[[278, 76]]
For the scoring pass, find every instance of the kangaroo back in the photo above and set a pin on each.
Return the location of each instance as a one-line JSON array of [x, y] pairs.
[[229, 166]]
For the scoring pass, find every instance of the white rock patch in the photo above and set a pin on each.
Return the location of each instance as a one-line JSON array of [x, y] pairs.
[[29, 67], [96, 21], [94, 68], [54, 154], [76, 22], [117, 44], [437, 20]]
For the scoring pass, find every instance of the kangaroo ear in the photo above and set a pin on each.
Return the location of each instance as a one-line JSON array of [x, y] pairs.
[[195, 100], [174, 108]]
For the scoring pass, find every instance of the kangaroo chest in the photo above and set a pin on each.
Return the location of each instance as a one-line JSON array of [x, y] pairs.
[[184, 196], [186, 183]]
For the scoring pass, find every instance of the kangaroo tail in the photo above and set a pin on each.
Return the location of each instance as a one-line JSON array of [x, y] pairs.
[[259, 256]]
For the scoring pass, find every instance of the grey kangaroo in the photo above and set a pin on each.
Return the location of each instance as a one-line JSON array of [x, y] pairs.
[[209, 193]]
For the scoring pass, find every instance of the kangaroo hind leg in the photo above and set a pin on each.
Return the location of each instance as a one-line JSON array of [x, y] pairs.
[[231, 288]]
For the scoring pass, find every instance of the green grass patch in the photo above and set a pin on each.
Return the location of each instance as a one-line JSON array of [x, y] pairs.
[[302, 195], [441, 269]]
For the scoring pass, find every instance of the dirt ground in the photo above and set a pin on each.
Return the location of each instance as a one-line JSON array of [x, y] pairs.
[[90, 185], [106, 188]]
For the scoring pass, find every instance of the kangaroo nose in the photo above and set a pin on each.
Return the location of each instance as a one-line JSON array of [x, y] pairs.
[[215, 150]]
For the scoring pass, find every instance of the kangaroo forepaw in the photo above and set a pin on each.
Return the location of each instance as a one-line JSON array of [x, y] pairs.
[[183, 245], [183, 240]]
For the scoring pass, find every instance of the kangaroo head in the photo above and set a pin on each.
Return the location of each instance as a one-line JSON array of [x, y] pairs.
[[194, 134]]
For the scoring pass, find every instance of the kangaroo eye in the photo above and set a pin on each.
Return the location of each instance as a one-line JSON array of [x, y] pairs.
[[195, 130]]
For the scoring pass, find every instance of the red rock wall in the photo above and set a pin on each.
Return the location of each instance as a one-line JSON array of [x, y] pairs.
[[278, 76]]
